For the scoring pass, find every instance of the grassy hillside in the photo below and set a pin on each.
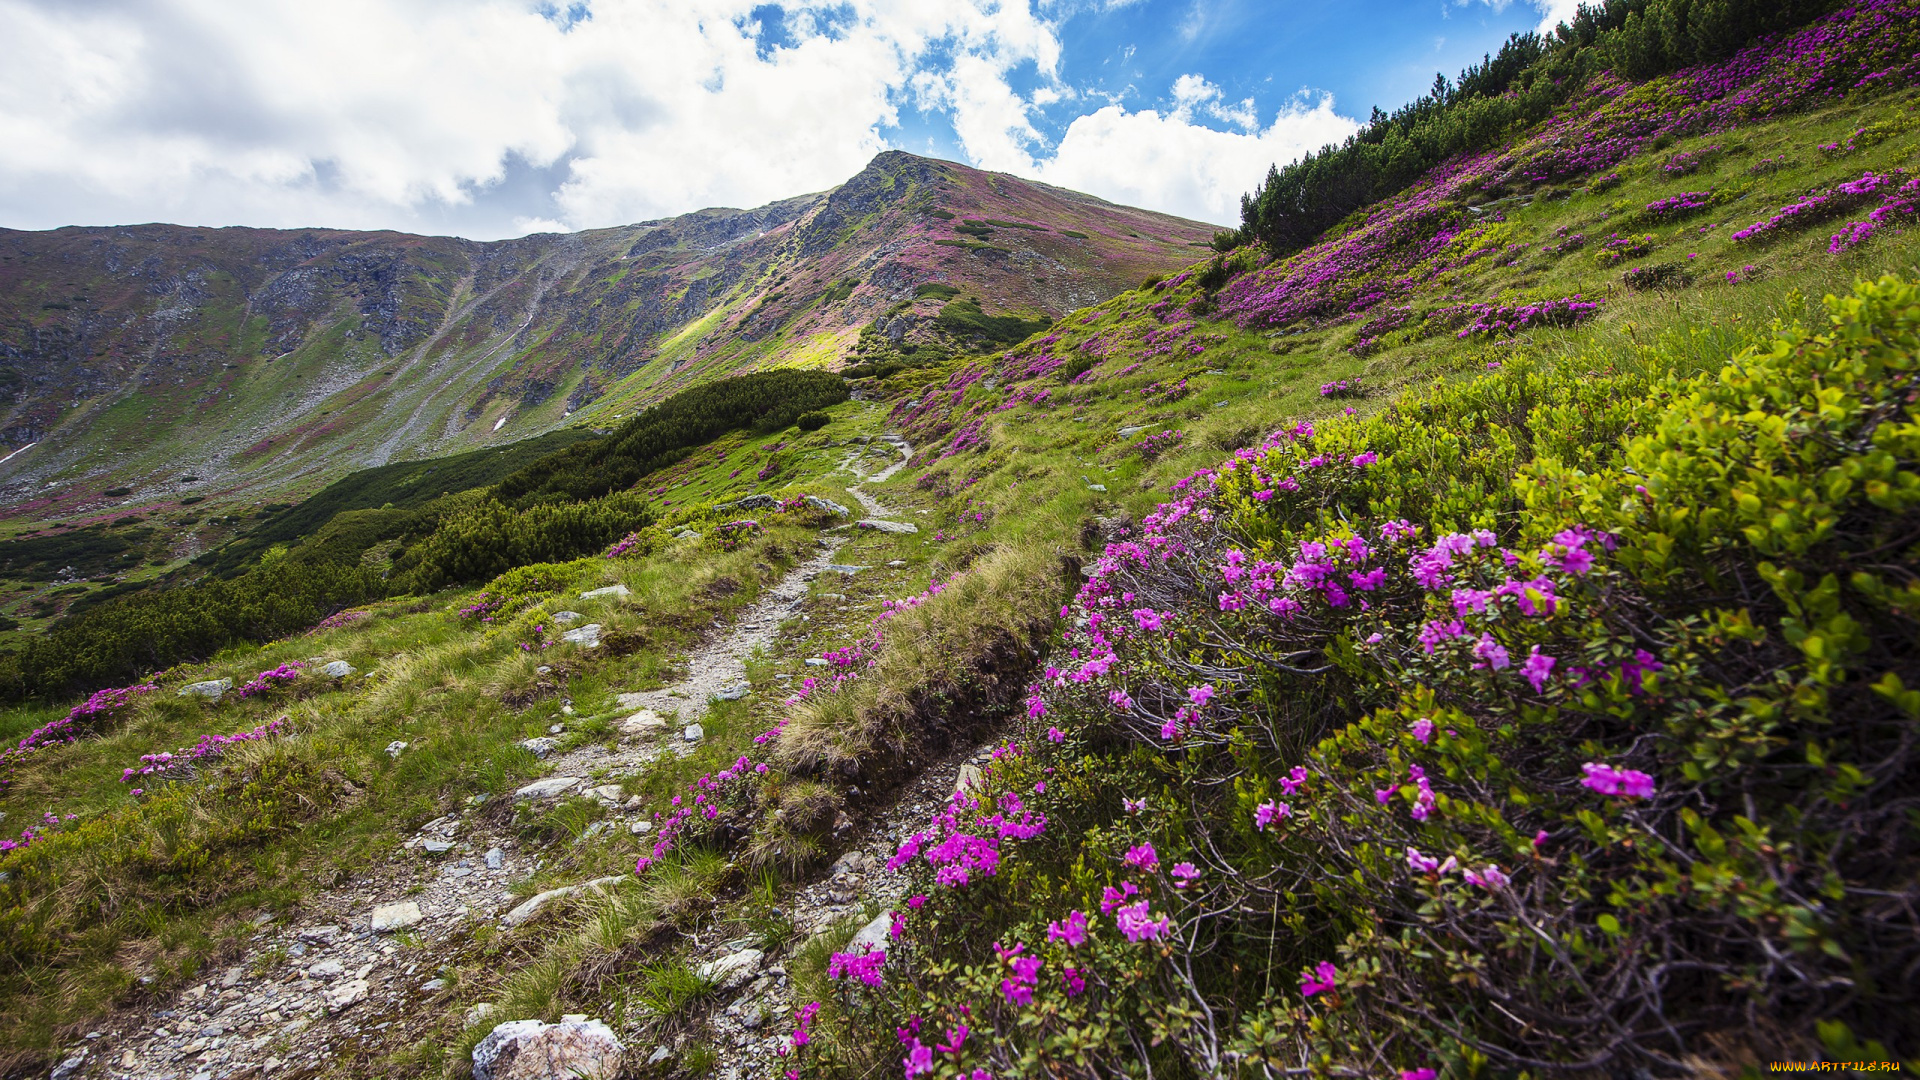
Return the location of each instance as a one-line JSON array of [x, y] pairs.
[[1702, 472]]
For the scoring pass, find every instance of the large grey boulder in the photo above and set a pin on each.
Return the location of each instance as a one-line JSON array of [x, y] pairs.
[[828, 506], [532, 1050], [210, 689]]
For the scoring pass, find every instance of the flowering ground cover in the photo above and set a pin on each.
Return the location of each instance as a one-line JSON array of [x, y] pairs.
[[1441, 739]]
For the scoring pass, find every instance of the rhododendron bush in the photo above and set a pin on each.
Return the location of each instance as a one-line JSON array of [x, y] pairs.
[[1544, 722]]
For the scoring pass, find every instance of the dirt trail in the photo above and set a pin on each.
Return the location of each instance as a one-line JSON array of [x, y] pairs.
[[326, 990]]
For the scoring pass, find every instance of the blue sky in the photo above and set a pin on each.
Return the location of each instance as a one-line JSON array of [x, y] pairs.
[[1363, 52], [491, 118]]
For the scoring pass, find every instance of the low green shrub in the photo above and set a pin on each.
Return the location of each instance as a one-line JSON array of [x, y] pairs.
[[763, 401], [490, 537]]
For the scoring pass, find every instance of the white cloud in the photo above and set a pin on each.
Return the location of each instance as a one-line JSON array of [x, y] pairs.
[[1552, 12], [1171, 164], [486, 118], [362, 113]]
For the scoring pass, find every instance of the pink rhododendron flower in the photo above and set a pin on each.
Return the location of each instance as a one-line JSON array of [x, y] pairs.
[[863, 966], [919, 1059], [1184, 874], [1422, 729], [1324, 977], [1269, 812], [1620, 783], [1492, 879], [1138, 923], [1418, 1074], [1200, 695], [1142, 857], [1491, 653], [1537, 667], [1072, 933]]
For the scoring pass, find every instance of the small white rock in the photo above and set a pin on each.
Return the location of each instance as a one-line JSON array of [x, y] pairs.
[[395, 916], [342, 995], [611, 590]]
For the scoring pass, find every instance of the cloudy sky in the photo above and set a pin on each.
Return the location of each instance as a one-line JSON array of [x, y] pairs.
[[493, 118]]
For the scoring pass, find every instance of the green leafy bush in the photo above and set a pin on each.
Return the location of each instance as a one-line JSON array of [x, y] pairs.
[[489, 537], [812, 421], [130, 635], [1549, 721], [401, 486], [665, 433], [963, 319]]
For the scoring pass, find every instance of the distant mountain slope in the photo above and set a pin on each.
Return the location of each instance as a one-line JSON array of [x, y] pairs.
[[238, 362]]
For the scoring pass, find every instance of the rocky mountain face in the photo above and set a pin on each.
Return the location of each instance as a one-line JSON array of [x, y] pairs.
[[145, 364]]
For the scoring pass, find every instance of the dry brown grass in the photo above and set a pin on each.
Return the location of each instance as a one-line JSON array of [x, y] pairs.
[[944, 669]]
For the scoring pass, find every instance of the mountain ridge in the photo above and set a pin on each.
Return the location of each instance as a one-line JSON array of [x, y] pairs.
[[262, 361]]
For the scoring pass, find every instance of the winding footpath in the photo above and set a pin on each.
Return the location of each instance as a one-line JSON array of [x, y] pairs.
[[355, 974]]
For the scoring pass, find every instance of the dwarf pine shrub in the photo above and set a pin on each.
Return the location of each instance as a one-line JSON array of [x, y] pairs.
[[1545, 722]]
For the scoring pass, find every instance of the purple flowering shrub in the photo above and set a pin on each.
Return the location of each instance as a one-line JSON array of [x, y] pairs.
[[1403, 243], [338, 620], [1159, 443], [1558, 721], [730, 535], [87, 718], [1825, 205]]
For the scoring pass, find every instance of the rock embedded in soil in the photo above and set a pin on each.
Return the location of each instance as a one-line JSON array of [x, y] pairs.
[[532, 1050], [337, 669], [551, 787], [210, 689], [539, 747], [565, 618], [611, 590], [587, 636], [733, 969], [344, 995], [873, 936], [642, 721], [396, 916], [882, 525]]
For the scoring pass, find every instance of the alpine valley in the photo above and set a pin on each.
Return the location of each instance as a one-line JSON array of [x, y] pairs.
[[1460, 623]]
